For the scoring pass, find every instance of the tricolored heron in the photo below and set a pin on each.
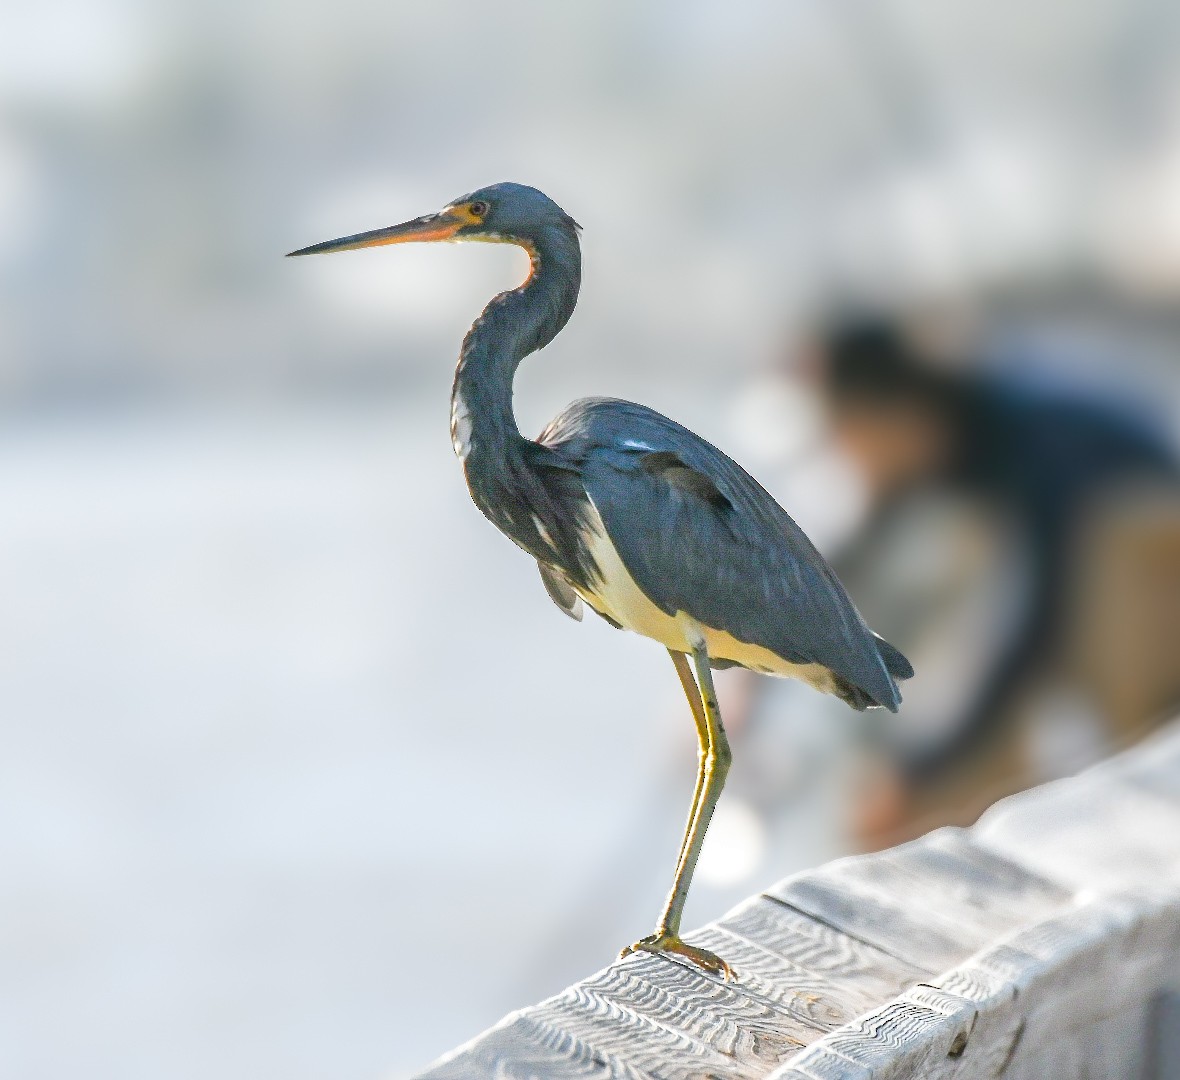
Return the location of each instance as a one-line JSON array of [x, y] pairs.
[[653, 527]]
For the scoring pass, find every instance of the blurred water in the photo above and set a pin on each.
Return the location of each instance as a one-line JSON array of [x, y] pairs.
[[298, 772]]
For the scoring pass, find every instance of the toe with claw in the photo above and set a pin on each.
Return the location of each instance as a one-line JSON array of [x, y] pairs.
[[668, 943]]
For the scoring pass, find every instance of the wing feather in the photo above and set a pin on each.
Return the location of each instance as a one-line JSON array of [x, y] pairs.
[[561, 592], [700, 535]]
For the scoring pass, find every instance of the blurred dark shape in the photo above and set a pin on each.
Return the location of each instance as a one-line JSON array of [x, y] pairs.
[[1088, 491]]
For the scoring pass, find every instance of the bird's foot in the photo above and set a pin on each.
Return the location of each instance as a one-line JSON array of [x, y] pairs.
[[664, 942]]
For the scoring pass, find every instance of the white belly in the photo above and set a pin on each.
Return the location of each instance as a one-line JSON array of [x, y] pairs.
[[616, 594]]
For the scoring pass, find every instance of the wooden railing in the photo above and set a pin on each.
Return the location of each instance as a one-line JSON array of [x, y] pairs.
[[1042, 942]]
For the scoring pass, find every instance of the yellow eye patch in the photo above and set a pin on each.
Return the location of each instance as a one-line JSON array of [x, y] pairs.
[[466, 215]]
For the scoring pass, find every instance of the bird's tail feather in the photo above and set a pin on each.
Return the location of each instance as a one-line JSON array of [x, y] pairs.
[[895, 663], [886, 695]]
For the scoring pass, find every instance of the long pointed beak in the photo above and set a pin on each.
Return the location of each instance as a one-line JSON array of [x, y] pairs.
[[441, 226]]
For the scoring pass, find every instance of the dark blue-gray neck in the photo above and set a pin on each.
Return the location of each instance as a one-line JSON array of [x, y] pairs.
[[513, 325]]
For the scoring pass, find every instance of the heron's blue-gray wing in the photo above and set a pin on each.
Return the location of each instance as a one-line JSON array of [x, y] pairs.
[[700, 535]]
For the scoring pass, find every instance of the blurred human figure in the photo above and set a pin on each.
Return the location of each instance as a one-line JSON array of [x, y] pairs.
[[1017, 532]]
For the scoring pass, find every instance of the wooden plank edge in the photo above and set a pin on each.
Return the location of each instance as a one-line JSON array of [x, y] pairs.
[[1108, 955]]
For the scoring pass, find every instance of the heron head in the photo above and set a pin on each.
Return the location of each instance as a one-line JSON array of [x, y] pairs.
[[501, 213]]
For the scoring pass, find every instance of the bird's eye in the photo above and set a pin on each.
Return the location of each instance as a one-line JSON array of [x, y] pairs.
[[478, 208]]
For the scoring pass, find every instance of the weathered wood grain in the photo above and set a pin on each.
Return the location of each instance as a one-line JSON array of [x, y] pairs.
[[673, 1021], [861, 973], [524, 1048], [1114, 826], [1030, 946], [1069, 998], [840, 899], [818, 1002], [950, 876], [931, 903]]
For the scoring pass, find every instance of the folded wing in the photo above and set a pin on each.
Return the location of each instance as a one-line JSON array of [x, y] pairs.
[[700, 535]]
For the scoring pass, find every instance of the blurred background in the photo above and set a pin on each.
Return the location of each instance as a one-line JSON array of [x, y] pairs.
[[301, 773]]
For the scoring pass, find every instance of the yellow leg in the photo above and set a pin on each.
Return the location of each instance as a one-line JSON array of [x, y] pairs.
[[713, 767], [688, 683]]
